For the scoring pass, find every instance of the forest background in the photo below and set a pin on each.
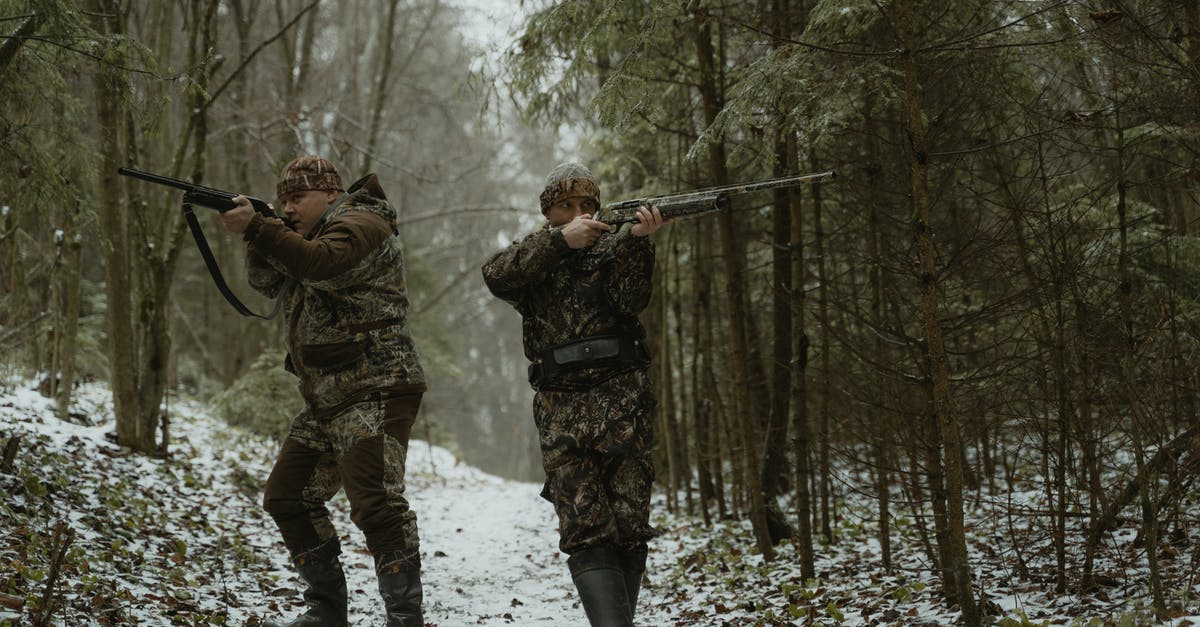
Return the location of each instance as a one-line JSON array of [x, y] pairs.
[[1002, 284]]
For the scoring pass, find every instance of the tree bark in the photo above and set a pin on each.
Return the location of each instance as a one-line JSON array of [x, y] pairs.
[[680, 435], [73, 297], [706, 406], [1188, 210], [666, 390], [382, 82], [942, 403], [775, 443], [825, 471], [111, 88], [801, 438], [1147, 491], [735, 277], [880, 424]]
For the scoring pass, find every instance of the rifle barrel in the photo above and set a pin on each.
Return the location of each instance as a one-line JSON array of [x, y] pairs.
[[743, 188], [156, 178], [740, 188], [200, 195]]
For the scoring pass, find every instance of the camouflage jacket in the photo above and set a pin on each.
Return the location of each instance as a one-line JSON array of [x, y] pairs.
[[347, 300], [565, 294]]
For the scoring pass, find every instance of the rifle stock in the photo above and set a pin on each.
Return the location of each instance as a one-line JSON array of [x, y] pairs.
[[702, 200]]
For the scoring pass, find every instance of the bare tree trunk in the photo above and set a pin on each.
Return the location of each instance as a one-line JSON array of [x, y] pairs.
[[775, 443], [19, 313], [701, 403], [387, 75], [681, 439], [666, 392], [1188, 210], [935, 480], [49, 388], [735, 277], [801, 441], [825, 472], [296, 50], [382, 82], [1148, 489], [1055, 335], [110, 89], [1190, 203], [1058, 505], [916, 495], [880, 423], [707, 406], [729, 443], [938, 368], [230, 361], [73, 297]]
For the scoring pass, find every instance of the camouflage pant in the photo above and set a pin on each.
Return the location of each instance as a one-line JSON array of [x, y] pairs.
[[596, 451], [362, 450]]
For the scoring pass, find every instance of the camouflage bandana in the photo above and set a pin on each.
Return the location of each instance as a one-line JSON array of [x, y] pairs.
[[569, 180], [305, 173]]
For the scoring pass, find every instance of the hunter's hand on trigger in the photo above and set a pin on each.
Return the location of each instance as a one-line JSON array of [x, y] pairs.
[[236, 220], [583, 231]]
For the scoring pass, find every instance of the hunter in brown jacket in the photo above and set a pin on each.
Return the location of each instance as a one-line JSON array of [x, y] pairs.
[[340, 269]]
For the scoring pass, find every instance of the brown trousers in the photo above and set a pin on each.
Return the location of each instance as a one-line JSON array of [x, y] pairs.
[[361, 450]]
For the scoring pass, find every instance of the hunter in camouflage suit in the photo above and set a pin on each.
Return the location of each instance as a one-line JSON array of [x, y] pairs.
[[340, 271], [579, 287]]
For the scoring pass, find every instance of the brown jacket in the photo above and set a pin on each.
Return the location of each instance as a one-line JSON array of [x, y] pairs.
[[347, 301]]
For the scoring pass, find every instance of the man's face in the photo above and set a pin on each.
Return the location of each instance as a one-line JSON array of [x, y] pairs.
[[304, 208], [568, 209]]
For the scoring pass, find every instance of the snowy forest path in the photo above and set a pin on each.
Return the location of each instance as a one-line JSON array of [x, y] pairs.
[[489, 549]]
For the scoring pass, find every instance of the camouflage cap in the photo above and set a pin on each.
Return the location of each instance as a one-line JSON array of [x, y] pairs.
[[569, 180], [309, 172]]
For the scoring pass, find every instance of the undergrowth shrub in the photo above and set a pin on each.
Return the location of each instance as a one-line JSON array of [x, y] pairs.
[[262, 401]]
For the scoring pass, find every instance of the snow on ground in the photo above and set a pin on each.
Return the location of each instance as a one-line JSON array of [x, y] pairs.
[[184, 541], [489, 546]]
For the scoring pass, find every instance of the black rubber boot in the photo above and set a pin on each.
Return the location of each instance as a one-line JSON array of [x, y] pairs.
[[633, 565], [601, 583], [321, 570], [399, 575]]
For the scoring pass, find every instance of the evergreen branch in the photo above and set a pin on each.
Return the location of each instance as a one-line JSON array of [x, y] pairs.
[[91, 55], [989, 146], [8, 49], [950, 46], [811, 46]]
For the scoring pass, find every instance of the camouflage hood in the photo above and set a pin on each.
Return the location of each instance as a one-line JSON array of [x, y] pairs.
[[365, 194]]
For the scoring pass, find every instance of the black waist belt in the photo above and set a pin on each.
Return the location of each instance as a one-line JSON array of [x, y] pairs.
[[598, 351]]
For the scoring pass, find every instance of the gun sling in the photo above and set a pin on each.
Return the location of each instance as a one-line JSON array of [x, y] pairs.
[[215, 271], [597, 351]]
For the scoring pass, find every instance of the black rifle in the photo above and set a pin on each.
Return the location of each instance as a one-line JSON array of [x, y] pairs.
[[701, 200], [198, 194], [221, 201]]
